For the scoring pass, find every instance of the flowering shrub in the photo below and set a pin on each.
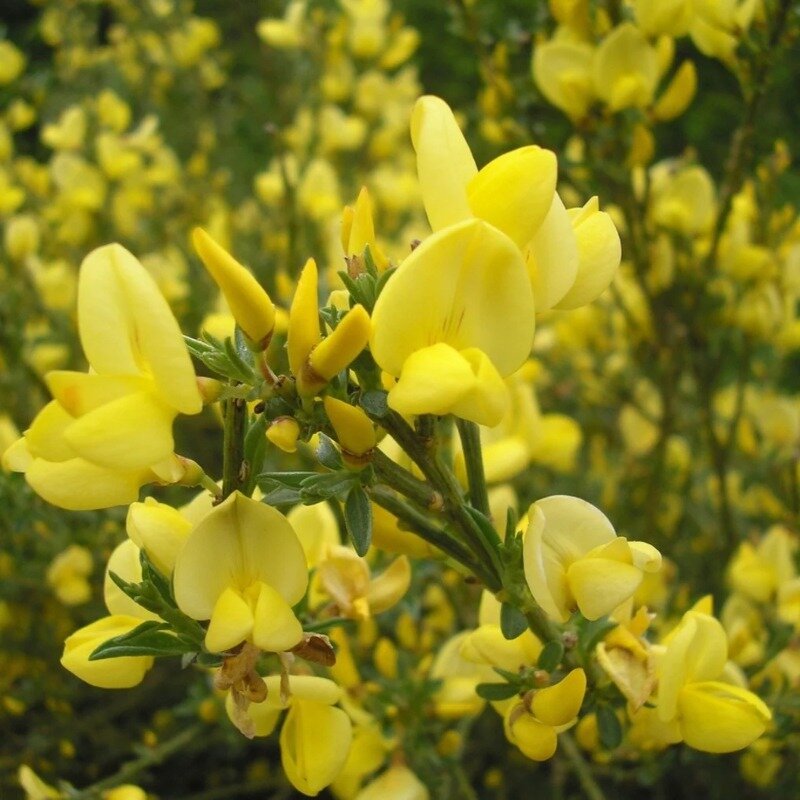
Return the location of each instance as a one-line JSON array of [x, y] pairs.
[[418, 444]]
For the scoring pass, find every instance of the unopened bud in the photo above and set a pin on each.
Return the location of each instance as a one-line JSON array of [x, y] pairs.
[[283, 433]]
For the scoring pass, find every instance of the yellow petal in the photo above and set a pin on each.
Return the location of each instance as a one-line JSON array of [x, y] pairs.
[[159, 530], [78, 485], [127, 328], [238, 542], [17, 456], [551, 257], [335, 352], [440, 380], [680, 92], [129, 433], [82, 392], [514, 192], [45, 437], [599, 254], [231, 622], [317, 529], [354, 429], [304, 333], [444, 162], [545, 574], [276, 627], [720, 718], [536, 741], [107, 673], [264, 716], [465, 286], [625, 68], [562, 71], [249, 303], [389, 587], [599, 585], [398, 783], [559, 704], [315, 740]]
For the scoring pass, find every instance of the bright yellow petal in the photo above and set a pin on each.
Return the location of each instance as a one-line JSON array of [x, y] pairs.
[[444, 162], [514, 191], [249, 303], [599, 585], [573, 526], [124, 562], [132, 432], [45, 437], [315, 740], [559, 704], [78, 485], [536, 741], [231, 622], [599, 254], [720, 718], [317, 529], [672, 667], [304, 333], [397, 783], [276, 627], [335, 352], [238, 542], [126, 326], [562, 71], [82, 392], [465, 286], [551, 257], [354, 429], [544, 572], [107, 673], [159, 530], [263, 715]]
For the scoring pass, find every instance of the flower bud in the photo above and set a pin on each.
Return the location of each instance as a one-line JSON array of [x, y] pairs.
[[283, 433], [249, 303]]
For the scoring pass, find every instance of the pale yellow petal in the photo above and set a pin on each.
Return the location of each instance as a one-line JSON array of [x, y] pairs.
[[129, 433], [444, 162], [231, 622], [107, 673], [536, 741], [599, 585], [315, 740], [238, 542], [390, 586], [465, 286], [127, 328], [159, 530], [559, 704], [551, 257], [544, 572], [514, 192], [276, 627]]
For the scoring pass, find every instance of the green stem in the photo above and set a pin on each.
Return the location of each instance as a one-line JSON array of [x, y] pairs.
[[426, 529], [473, 458], [130, 770], [583, 771], [233, 446], [401, 479]]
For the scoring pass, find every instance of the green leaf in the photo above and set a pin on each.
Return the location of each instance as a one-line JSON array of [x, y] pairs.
[[375, 404], [609, 727], [369, 263], [496, 691], [148, 639], [325, 486], [277, 495], [590, 633], [551, 656], [382, 282], [358, 518], [293, 480], [328, 453], [485, 527], [512, 621], [255, 444]]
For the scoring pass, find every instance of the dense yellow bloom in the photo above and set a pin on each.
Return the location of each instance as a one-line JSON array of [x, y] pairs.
[[574, 559], [625, 69], [243, 568], [713, 714], [562, 70], [759, 572], [67, 575], [109, 431]]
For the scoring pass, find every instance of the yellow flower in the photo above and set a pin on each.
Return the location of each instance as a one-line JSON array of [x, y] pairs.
[[534, 724], [243, 568], [315, 737], [109, 431], [713, 715], [67, 575], [455, 317], [398, 782], [12, 62], [354, 431], [625, 69], [759, 572], [562, 70], [574, 559], [358, 231]]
